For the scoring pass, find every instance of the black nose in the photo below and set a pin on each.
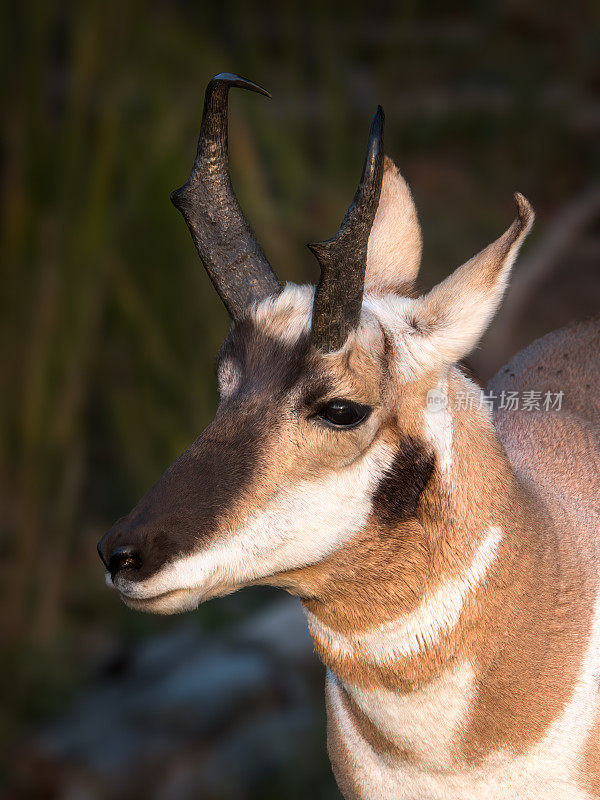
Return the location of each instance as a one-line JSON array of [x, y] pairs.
[[123, 558]]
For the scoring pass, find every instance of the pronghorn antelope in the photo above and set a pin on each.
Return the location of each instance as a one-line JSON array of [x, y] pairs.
[[447, 561]]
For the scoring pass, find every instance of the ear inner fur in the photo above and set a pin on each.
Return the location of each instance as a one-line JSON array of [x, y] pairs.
[[395, 244], [457, 311]]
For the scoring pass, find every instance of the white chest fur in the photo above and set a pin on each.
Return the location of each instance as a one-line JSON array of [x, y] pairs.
[[423, 723], [426, 722]]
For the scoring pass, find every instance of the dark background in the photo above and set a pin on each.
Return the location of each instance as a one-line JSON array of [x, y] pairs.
[[109, 327]]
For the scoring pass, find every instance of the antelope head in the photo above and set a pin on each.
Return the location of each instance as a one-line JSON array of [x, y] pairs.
[[320, 433]]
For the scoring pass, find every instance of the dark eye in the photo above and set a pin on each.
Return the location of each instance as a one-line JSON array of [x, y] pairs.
[[343, 413]]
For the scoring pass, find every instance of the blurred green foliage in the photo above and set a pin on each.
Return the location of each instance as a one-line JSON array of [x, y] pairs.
[[109, 326]]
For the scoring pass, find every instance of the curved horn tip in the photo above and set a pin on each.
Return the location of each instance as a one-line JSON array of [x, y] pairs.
[[525, 212], [236, 80], [225, 242], [376, 132]]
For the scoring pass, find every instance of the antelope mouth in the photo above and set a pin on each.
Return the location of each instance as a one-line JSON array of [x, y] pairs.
[[171, 601], [176, 601]]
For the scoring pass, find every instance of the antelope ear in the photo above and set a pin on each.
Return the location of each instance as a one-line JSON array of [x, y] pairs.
[[394, 249], [456, 312]]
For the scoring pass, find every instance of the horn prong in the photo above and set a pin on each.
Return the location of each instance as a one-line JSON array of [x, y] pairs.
[[223, 237]]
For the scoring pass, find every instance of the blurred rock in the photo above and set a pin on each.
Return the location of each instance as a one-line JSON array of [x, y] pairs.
[[190, 716]]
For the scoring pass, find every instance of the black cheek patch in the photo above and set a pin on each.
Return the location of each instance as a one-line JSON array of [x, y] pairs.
[[398, 493]]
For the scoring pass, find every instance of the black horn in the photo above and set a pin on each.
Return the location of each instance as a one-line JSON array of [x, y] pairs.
[[343, 258], [224, 240]]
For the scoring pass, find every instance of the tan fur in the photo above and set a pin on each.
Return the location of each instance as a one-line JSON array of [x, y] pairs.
[[376, 739], [384, 567], [542, 590], [532, 683]]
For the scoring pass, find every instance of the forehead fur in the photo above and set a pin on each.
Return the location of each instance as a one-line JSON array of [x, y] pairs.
[[354, 370], [388, 322], [286, 316]]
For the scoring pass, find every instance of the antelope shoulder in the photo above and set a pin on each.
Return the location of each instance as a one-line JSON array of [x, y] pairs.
[[558, 451]]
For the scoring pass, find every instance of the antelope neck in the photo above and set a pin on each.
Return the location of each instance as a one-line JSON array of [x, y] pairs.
[[401, 601]]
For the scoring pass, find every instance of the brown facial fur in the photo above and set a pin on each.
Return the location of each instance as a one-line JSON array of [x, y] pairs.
[[185, 507], [229, 471]]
